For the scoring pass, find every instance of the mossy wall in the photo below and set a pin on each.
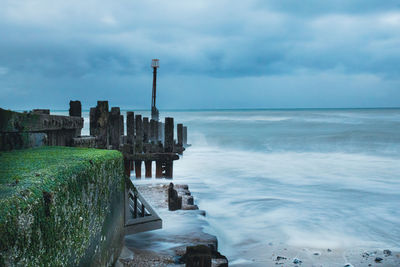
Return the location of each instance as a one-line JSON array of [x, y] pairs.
[[60, 206]]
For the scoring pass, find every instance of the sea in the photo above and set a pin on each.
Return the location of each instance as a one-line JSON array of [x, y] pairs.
[[296, 178]]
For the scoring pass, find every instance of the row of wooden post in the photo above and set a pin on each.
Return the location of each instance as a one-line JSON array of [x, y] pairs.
[[145, 138], [163, 169], [108, 128]]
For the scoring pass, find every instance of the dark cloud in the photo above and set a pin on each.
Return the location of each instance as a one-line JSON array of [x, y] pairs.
[[85, 48]]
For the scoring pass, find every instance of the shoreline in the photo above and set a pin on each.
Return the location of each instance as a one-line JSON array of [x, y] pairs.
[[165, 247], [181, 228]]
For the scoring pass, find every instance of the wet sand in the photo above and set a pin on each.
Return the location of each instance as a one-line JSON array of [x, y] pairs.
[[272, 254]]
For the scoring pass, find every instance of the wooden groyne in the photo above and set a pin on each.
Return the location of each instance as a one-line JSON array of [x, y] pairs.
[[146, 140]]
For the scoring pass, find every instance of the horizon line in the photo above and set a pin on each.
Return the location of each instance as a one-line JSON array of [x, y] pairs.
[[234, 109]]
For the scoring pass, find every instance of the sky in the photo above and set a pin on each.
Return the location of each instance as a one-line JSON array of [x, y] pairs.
[[214, 54]]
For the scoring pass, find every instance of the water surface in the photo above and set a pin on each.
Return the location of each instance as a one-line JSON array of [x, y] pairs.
[[294, 178]]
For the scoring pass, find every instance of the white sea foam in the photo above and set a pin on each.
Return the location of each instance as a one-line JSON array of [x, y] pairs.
[[322, 196], [210, 119], [303, 179]]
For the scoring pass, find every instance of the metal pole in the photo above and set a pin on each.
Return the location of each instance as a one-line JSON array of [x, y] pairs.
[[153, 104]]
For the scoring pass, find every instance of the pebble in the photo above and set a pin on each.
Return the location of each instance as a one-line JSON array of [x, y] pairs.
[[387, 252], [317, 253], [378, 259], [280, 258], [348, 265], [296, 261], [329, 250]]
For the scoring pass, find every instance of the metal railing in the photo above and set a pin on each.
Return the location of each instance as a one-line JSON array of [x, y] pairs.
[[139, 215]]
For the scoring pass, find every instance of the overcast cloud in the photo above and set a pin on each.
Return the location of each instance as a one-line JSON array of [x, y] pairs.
[[213, 54]]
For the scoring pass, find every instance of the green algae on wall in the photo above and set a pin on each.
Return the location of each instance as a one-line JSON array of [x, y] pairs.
[[54, 203]]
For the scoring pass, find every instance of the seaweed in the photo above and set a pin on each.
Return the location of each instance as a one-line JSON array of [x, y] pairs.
[[53, 201]]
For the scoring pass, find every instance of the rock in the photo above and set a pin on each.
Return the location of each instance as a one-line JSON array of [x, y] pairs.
[[378, 259], [174, 201], [186, 200], [280, 258], [190, 200], [199, 255], [183, 186], [317, 253], [219, 262], [297, 261], [387, 252], [365, 255], [348, 265], [190, 207], [329, 250]]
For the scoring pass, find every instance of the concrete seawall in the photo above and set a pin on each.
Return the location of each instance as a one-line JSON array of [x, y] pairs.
[[61, 207]]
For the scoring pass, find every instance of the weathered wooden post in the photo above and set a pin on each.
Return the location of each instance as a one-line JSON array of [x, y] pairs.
[[127, 162], [184, 135], [179, 129], [132, 165], [139, 134], [146, 129], [130, 123], [138, 168], [152, 136], [147, 164], [92, 122], [99, 123], [169, 145], [156, 136], [127, 167], [169, 135], [121, 125], [130, 127], [115, 127], [161, 132], [75, 108]]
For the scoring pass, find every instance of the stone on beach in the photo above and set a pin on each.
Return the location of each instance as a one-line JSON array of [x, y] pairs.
[[387, 252], [174, 201], [296, 261], [199, 255]]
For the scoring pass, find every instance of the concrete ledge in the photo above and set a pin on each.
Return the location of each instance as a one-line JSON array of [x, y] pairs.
[[61, 207]]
